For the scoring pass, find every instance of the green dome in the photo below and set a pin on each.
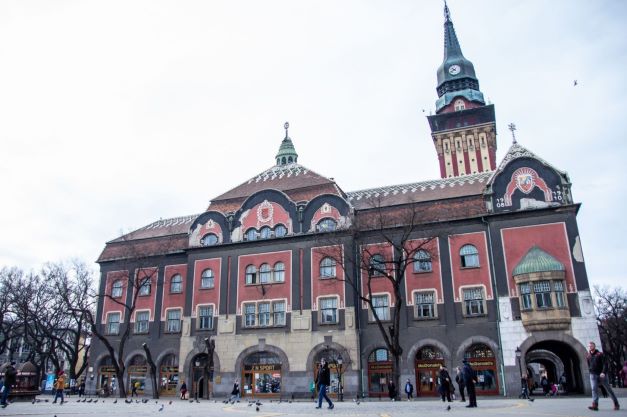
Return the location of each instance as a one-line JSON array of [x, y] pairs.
[[537, 260]]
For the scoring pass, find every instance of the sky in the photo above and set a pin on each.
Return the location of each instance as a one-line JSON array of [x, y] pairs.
[[114, 114]]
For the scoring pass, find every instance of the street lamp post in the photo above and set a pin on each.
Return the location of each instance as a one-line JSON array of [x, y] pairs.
[[340, 361], [523, 382]]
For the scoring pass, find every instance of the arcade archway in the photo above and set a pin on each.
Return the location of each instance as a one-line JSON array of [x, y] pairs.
[[556, 358]]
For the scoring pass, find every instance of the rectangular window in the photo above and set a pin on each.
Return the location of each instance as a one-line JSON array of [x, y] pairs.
[[205, 317], [328, 310], [250, 311], [425, 305], [473, 302], [174, 321], [264, 314], [525, 296], [542, 289], [560, 299], [381, 307], [113, 323], [144, 288], [278, 313], [141, 321]]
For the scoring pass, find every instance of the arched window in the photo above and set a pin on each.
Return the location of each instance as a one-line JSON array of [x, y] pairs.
[[283, 161], [265, 273], [377, 265], [176, 284], [279, 272], [379, 355], [290, 160], [251, 234], [429, 353], [469, 256], [327, 225], [251, 274], [280, 230], [116, 289], [459, 105], [327, 268], [265, 232], [209, 239], [207, 279], [422, 261]]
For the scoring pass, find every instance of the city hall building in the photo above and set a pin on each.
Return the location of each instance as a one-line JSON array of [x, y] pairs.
[[503, 283]]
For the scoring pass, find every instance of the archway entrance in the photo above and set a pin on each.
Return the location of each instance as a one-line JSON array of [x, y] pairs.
[[168, 375], [483, 361], [106, 383], [555, 359], [336, 369], [137, 374], [379, 373], [428, 361], [261, 376], [199, 376]]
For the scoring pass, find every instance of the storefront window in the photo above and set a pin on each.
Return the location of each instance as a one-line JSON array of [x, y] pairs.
[[379, 372], [137, 373], [428, 361], [482, 360], [262, 375], [168, 375]]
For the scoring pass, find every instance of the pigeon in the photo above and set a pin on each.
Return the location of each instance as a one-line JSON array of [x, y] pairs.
[[249, 404], [128, 401], [78, 401], [191, 401], [170, 403], [90, 400], [532, 399], [258, 403], [116, 401], [95, 401], [575, 83], [84, 400], [197, 401], [448, 408], [257, 408], [33, 401], [46, 400], [161, 408]]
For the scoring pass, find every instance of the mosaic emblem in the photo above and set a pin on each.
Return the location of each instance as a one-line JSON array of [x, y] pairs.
[[264, 212], [525, 179], [326, 208]]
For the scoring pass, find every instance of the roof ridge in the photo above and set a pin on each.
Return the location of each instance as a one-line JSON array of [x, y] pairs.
[[173, 221], [422, 185]]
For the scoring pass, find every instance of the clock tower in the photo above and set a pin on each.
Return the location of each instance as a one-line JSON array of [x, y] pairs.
[[463, 129]]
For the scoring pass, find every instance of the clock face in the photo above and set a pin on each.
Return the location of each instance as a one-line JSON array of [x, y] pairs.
[[454, 69]]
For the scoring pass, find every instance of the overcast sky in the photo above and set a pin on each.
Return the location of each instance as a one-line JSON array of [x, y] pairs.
[[114, 114]]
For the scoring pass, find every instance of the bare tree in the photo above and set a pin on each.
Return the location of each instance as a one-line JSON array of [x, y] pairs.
[[389, 241], [611, 309]]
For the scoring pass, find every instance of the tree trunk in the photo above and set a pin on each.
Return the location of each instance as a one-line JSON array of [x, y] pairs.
[[153, 372]]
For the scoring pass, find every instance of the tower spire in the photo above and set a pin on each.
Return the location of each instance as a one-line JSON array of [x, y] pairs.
[[287, 153]]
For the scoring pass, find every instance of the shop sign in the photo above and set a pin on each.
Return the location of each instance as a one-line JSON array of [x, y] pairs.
[[107, 369], [262, 368], [481, 363]]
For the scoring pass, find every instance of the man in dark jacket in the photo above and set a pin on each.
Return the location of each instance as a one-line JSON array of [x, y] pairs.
[[445, 384], [598, 371], [459, 378], [10, 375], [468, 375], [323, 380]]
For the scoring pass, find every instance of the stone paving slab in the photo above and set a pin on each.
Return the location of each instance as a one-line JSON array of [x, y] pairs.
[[541, 407]]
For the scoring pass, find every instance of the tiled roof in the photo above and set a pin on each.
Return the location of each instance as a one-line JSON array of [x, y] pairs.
[[282, 178], [162, 227], [432, 190], [134, 248], [518, 151], [537, 260]]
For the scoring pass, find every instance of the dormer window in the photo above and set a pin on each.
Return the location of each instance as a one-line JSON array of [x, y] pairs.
[[327, 225], [251, 234], [266, 232], [280, 230], [460, 105], [209, 240]]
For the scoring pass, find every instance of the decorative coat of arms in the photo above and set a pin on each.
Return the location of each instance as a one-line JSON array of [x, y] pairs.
[[526, 179]]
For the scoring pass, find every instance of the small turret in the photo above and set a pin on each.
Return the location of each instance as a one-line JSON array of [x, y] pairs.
[[287, 154]]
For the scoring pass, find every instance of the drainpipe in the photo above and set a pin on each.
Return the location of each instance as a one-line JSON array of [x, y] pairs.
[[357, 281], [498, 308]]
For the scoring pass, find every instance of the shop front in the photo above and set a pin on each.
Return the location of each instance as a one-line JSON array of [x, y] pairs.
[[379, 373], [336, 369], [261, 375], [428, 361], [200, 376], [483, 361], [168, 376], [106, 377], [137, 373]]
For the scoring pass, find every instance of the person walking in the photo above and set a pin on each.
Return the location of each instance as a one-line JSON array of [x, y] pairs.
[[445, 384], [469, 378], [10, 375], [409, 390], [183, 391], [81, 388], [323, 380], [623, 375], [136, 386], [598, 377], [59, 387], [459, 378], [235, 393], [391, 390]]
